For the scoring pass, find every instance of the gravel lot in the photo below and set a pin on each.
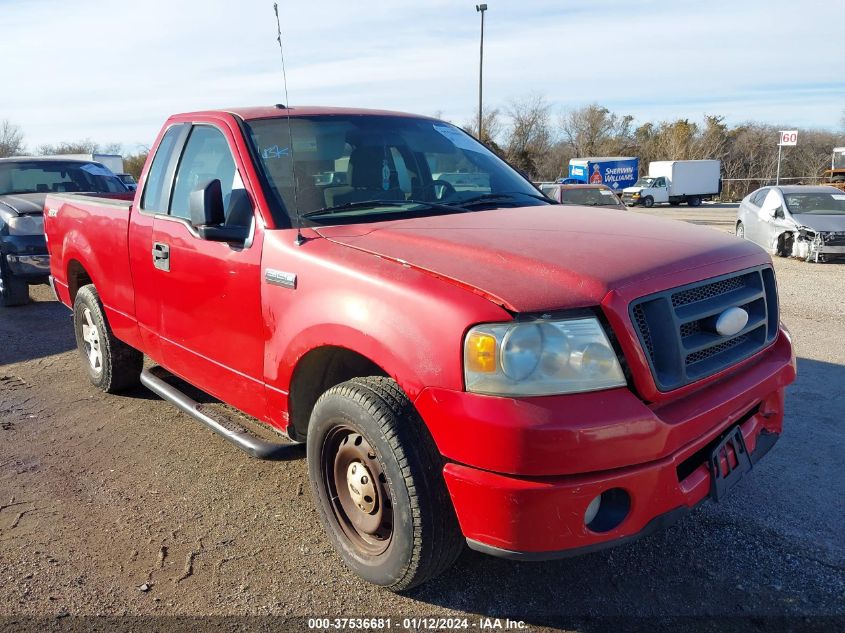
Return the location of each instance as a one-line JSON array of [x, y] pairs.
[[121, 506]]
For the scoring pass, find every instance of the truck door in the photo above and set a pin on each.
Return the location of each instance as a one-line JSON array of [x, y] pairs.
[[661, 190], [154, 199], [211, 324]]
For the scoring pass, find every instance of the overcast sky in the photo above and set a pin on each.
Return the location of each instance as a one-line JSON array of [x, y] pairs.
[[113, 71]]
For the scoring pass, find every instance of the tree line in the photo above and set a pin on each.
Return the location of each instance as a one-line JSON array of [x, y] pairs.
[[12, 144], [534, 137]]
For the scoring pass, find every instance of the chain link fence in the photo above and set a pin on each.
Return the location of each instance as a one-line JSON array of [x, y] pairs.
[[735, 189]]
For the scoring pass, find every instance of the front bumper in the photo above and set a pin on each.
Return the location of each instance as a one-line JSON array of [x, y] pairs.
[[29, 265], [827, 249], [544, 519], [522, 472], [630, 201], [26, 255]]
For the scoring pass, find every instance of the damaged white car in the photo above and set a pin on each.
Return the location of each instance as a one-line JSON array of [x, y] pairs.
[[796, 221]]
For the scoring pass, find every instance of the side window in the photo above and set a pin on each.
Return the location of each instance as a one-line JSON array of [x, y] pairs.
[[206, 157], [757, 199], [154, 197]]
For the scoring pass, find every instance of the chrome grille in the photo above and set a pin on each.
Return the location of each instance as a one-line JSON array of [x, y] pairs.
[[677, 330]]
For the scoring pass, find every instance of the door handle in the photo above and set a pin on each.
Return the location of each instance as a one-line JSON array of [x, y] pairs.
[[161, 256]]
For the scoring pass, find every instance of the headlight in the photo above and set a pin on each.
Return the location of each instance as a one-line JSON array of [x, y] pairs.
[[540, 358], [25, 225]]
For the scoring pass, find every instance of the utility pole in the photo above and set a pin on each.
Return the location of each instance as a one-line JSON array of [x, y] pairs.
[[481, 8]]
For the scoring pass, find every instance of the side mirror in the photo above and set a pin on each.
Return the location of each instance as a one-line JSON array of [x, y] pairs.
[[777, 212], [206, 205], [208, 215]]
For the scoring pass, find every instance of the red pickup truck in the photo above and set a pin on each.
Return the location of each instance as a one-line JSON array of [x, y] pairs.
[[466, 361]]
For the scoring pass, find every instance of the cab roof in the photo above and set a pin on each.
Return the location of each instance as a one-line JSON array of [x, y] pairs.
[[280, 110]]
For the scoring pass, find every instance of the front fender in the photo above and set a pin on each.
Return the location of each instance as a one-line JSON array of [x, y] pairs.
[[406, 321]]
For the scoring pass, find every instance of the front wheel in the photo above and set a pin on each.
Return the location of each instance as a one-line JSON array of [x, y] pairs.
[[648, 202], [13, 291], [695, 201], [111, 364], [740, 230], [377, 480]]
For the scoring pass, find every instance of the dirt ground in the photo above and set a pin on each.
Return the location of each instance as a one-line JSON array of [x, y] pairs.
[[121, 506]]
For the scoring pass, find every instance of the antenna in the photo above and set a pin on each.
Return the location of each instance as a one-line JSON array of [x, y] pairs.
[[299, 239]]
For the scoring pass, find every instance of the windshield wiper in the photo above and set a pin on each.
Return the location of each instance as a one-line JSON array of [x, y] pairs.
[[364, 204]]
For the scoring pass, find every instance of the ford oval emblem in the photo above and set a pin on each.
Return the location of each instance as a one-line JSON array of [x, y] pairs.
[[731, 321]]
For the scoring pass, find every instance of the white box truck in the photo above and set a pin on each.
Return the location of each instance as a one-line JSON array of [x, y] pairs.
[[676, 182], [114, 162]]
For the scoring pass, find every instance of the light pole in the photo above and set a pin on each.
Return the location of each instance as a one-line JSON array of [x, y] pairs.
[[481, 8]]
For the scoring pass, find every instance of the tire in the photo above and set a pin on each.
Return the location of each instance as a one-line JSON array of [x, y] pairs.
[[401, 530], [740, 230], [13, 290], [111, 364], [695, 201], [648, 202]]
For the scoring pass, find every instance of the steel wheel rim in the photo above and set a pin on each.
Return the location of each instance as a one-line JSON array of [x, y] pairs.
[[91, 343], [351, 472], [740, 231]]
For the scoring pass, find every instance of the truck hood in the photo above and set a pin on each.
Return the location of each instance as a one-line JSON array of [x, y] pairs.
[[539, 258], [820, 222], [23, 203], [632, 189]]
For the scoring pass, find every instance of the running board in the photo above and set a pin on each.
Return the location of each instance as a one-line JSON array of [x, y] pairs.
[[228, 429]]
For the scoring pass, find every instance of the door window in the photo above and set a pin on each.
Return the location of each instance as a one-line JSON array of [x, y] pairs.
[[757, 198], [155, 193], [207, 157]]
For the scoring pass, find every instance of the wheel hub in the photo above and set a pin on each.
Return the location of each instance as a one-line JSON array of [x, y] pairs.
[[361, 487], [357, 489], [91, 339]]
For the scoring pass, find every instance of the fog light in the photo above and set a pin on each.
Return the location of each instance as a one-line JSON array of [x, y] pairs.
[[607, 511], [592, 510]]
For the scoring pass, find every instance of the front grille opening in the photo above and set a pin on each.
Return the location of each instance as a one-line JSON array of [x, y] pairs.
[[688, 329], [704, 354], [702, 456], [642, 326], [711, 290]]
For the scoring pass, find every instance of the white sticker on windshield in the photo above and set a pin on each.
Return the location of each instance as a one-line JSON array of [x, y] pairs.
[[458, 138], [96, 170], [838, 196], [605, 192]]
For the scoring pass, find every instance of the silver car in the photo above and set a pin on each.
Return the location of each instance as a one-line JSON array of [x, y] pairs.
[[797, 221]]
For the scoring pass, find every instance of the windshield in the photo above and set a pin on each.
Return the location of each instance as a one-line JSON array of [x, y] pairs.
[[590, 197], [345, 165], [644, 182], [815, 203], [56, 177]]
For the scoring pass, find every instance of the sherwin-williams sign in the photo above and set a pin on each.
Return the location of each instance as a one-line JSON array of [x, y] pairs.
[[617, 172]]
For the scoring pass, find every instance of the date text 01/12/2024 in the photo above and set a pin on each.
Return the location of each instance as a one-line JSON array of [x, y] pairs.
[[415, 624]]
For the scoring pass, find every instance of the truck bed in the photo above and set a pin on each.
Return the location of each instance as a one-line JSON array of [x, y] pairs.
[[93, 228]]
